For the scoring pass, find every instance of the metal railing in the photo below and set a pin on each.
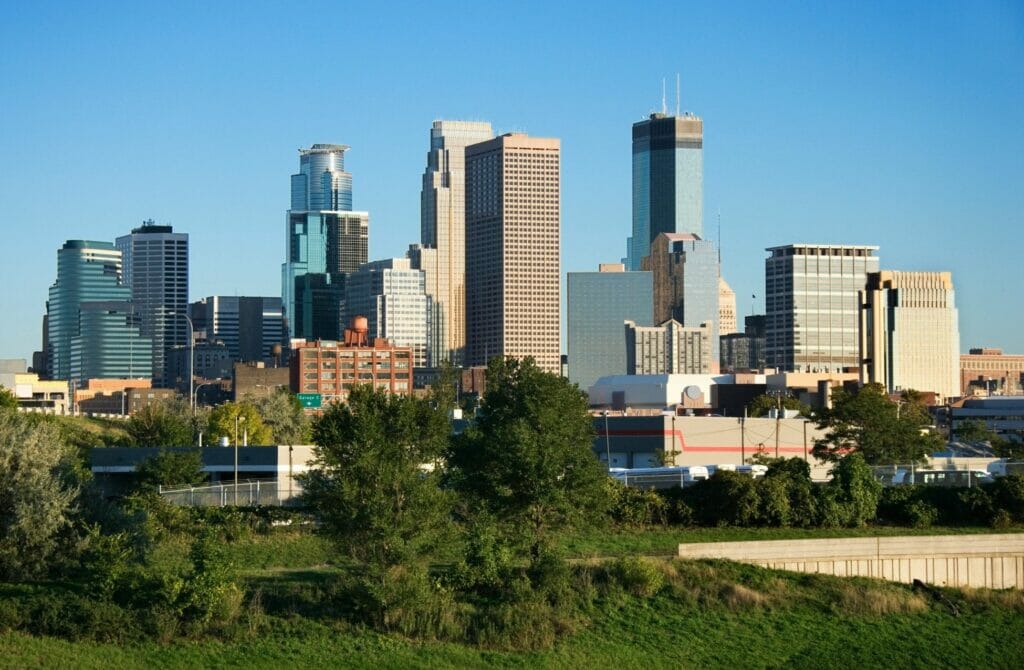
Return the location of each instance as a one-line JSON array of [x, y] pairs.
[[248, 493], [947, 472]]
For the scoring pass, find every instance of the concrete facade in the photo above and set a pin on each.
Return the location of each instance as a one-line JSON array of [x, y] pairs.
[[975, 561], [992, 371], [668, 349]]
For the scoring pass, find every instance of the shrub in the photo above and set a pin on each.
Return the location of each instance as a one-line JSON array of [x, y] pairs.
[[637, 576], [639, 507], [1008, 495], [725, 499], [773, 495], [856, 489], [921, 515]]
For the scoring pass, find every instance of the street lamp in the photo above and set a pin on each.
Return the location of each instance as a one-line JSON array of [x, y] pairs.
[[237, 419], [191, 358], [607, 442]]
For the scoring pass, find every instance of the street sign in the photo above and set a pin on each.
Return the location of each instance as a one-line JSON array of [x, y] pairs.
[[310, 400]]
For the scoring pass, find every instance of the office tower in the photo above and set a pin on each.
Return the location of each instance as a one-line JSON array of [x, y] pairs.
[[391, 295], [598, 304], [155, 263], [325, 240], [92, 326], [726, 308], [512, 250], [909, 335], [668, 349], [668, 180], [443, 228], [811, 305], [744, 351], [685, 271], [249, 326]]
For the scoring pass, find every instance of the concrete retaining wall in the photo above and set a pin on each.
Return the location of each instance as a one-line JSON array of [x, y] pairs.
[[989, 561]]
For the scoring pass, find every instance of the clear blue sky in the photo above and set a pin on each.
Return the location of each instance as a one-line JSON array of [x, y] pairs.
[[896, 124]]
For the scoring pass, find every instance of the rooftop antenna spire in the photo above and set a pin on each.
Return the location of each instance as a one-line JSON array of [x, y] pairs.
[[719, 241], [664, 109], [677, 94]]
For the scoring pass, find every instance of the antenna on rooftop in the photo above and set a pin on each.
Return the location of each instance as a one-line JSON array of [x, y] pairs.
[[677, 94], [719, 238], [664, 109]]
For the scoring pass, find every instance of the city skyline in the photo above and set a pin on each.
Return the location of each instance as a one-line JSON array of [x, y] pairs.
[[809, 137]]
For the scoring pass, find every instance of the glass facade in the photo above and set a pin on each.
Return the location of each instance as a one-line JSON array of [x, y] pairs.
[[91, 320], [325, 240], [668, 181], [598, 305]]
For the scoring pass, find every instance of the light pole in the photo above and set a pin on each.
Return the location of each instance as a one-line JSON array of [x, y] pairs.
[[191, 358], [237, 419], [607, 442]]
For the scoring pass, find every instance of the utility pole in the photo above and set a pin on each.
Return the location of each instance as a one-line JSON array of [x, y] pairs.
[[778, 422]]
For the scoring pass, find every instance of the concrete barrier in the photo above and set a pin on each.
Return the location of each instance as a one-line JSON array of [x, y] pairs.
[[988, 561]]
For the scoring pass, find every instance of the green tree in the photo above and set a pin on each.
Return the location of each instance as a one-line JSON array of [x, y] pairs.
[[868, 422], [36, 499], [528, 459], [171, 468], [7, 400], [378, 499], [762, 404], [856, 490], [250, 423], [166, 423], [283, 414]]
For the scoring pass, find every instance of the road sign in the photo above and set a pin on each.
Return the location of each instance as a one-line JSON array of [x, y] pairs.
[[310, 400]]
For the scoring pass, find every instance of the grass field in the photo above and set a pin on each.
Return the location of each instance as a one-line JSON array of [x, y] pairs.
[[713, 615]]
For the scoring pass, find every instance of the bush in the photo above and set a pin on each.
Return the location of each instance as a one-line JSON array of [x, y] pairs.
[[921, 515], [773, 495], [638, 507], [1008, 495], [637, 576], [725, 499]]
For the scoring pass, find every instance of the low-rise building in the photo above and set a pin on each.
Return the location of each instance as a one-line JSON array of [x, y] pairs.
[[33, 394], [991, 371]]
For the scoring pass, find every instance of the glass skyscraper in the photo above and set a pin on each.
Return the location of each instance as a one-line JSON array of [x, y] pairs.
[[598, 305], [93, 328], [155, 263], [668, 181], [325, 239]]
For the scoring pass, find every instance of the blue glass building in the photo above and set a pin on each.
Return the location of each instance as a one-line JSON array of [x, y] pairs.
[[668, 181], [93, 328], [598, 304], [325, 240]]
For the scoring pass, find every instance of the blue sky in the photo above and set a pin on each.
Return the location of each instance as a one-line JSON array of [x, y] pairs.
[[896, 124]]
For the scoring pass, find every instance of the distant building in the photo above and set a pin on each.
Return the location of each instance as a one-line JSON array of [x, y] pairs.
[[686, 289], [992, 371], [513, 229], [598, 304], [442, 256], [1003, 415], [668, 180], [330, 369], [670, 348], [909, 333], [251, 327], [257, 380], [33, 394], [92, 326], [155, 263], [744, 351], [391, 295], [212, 361], [812, 305], [726, 308], [325, 240]]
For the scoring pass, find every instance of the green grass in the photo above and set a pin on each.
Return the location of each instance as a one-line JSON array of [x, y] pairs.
[[712, 614]]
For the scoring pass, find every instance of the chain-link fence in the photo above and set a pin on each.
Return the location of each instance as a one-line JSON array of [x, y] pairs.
[[248, 493]]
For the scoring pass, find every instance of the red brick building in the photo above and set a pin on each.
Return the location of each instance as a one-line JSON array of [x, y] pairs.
[[331, 369]]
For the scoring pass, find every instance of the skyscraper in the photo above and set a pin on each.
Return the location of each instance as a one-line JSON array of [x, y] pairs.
[[391, 295], [668, 349], [686, 289], [155, 263], [598, 304], [92, 324], [668, 180], [811, 304], [325, 240], [512, 250], [909, 335], [726, 308], [443, 228]]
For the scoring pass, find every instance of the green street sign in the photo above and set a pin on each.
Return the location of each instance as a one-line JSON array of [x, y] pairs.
[[310, 400]]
